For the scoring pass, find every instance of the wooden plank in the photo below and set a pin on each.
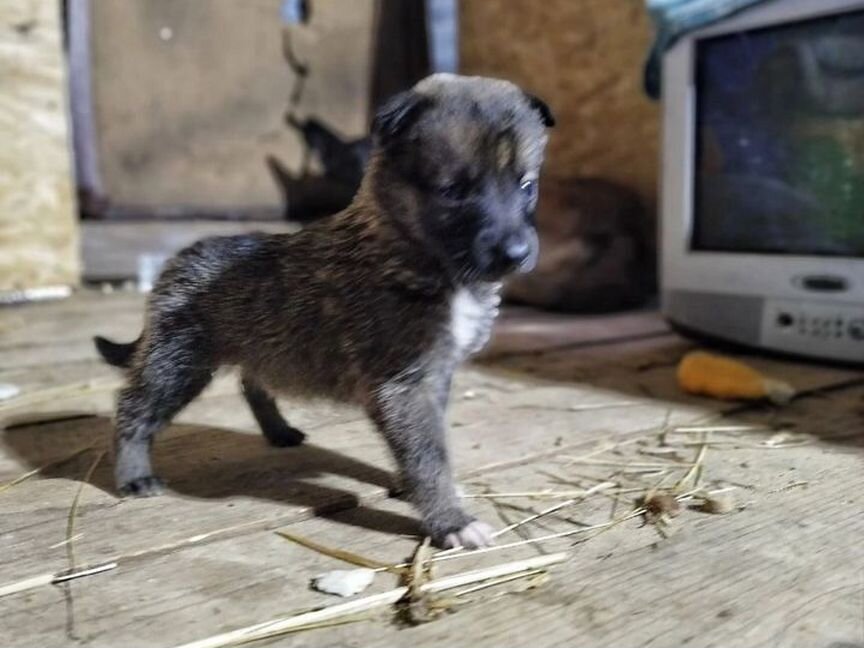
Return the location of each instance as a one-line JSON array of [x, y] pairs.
[[38, 218], [208, 467], [773, 573], [497, 421], [201, 560], [492, 429], [51, 342], [115, 250], [212, 579], [76, 318]]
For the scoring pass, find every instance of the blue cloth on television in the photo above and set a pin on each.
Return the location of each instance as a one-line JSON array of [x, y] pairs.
[[675, 18]]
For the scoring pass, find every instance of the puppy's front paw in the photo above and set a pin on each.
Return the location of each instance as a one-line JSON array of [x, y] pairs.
[[149, 486], [473, 535]]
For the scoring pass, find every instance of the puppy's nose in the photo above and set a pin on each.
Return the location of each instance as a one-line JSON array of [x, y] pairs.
[[516, 251]]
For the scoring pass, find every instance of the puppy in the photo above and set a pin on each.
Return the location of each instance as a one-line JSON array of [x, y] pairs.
[[375, 306]]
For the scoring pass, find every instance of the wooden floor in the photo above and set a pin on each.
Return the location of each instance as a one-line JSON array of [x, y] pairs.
[[556, 404]]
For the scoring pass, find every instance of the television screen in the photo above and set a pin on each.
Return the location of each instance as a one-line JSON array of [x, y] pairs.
[[780, 139]]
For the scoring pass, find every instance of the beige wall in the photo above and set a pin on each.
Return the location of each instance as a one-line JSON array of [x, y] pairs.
[[584, 57], [190, 96], [38, 224]]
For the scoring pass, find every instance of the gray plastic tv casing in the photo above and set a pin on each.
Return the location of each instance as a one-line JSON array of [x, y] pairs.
[[758, 300]]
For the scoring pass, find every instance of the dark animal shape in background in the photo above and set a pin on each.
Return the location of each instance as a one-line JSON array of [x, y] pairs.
[[343, 160], [309, 196], [596, 249]]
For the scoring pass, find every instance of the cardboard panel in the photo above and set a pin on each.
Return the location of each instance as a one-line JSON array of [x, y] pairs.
[[190, 97]]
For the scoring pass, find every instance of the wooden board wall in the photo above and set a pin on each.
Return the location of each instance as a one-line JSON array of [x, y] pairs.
[[585, 58], [38, 221], [189, 97]]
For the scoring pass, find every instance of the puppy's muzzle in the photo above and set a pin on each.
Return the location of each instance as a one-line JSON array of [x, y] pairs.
[[498, 256], [514, 252], [517, 252]]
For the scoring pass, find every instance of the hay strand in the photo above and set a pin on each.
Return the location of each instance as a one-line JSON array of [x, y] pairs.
[[308, 620], [338, 554], [695, 470], [73, 511], [53, 579]]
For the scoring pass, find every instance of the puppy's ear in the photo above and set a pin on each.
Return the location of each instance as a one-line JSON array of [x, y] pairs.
[[397, 114], [281, 175], [541, 107]]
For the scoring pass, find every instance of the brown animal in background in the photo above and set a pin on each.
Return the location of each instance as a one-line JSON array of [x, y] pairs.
[[597, 250]]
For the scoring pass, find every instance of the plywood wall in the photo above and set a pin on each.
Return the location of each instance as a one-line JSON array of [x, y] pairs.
[[38, 224], [190, 96], [585, 58]]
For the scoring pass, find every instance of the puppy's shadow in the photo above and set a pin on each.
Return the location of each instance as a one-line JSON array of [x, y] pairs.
[[217, 463]]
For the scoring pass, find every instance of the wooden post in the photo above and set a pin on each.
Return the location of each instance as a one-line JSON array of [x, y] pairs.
[[38, 218]]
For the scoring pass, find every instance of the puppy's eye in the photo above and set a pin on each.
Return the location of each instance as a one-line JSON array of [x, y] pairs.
[[456, 190], [528, 188]]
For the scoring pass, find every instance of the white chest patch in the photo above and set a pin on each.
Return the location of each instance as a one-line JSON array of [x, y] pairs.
[[471, 317]]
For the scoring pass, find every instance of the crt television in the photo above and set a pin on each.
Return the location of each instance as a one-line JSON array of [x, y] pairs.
[[762, 200]]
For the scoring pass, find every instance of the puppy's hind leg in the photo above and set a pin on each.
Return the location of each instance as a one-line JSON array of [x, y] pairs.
[[273, 425], [164, 382]]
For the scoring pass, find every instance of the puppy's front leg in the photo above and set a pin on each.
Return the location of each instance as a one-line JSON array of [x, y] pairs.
[[411, 416]]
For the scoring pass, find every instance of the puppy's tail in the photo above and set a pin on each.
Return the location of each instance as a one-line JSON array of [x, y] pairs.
[[114, 353]]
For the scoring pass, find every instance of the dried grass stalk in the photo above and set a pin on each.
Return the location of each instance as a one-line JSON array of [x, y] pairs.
[[416, 605], [449, 553], [695, 470], [537, 576], [693, 429], [52, 579], [629, 464], [608, 447], [587, 407], [545, 538], [340, 611], [26, 584], [339, 554], [550, 494], [73, 511], [557, 507]]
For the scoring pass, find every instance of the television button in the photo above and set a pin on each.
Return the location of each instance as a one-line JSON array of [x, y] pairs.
[[785, 320], [856, 329], [823, 283]]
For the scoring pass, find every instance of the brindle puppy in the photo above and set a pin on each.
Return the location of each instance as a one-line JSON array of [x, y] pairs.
[[375, 306]]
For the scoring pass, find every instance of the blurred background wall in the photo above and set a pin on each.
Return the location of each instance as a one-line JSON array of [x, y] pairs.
[[179, 110], [585, 58]]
